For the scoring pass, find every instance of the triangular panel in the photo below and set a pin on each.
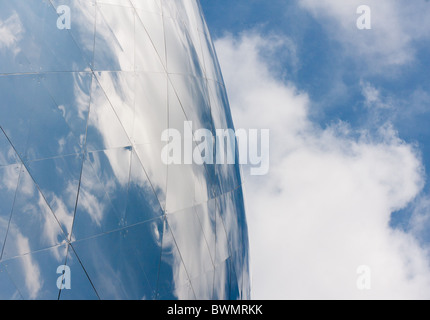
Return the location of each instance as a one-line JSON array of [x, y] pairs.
[[103, 193], [33, 226], [58, 180]]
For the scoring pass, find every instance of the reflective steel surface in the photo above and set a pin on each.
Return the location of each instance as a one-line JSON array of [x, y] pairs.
[[82, 182]]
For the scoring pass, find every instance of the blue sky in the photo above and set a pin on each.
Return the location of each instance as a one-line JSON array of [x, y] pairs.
[[359, 106], [319, 56]]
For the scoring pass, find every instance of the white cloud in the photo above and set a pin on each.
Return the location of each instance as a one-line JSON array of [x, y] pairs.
[[394, 28], [325, 207], [11, 33]]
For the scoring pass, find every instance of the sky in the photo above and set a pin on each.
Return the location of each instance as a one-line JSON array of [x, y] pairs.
[[344, 212]]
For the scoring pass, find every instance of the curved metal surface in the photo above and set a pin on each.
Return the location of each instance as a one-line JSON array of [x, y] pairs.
[[82, 183]]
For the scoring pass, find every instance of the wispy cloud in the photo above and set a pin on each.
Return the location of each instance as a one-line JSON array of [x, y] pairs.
[[394, 29], [10, 33]]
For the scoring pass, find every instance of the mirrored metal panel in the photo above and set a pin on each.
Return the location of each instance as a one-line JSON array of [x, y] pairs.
[[90, 205]]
